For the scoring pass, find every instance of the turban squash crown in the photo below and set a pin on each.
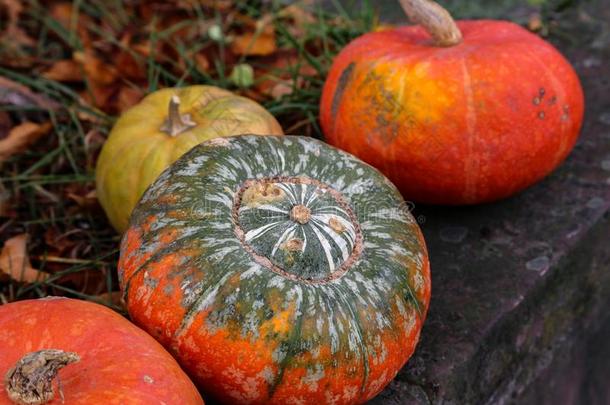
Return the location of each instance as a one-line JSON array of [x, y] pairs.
[[278, 270]]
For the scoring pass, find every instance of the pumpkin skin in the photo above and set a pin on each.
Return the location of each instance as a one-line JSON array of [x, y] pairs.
[[264, 303], [137, 150], [466, 124], [120, 363]]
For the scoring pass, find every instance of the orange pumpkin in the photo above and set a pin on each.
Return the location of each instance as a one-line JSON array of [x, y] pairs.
[[114, 361], [292, 274], [464, 113]]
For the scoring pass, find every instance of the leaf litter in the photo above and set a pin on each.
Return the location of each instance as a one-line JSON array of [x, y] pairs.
[[68, 69]]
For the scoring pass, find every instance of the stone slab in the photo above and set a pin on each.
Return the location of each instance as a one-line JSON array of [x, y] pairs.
[[521, 287]]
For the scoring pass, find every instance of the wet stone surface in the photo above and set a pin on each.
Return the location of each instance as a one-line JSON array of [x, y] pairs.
[[521, 287], [453, 234]]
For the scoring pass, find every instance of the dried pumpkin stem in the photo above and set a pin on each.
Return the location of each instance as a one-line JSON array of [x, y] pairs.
[[176, 123], [435, 19], [30, 382], [301, 214]]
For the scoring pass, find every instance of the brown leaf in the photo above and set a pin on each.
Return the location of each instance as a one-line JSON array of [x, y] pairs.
[[281, 89], [132, 64], [219, 5], [84, 115], [277, 78], [6, 206], [66, 70], [146, 48], [114, 297], [202, 62], [85, 201], [93, 141], [96, 70], [15, 262], [5, 124], [101, 96], [56, 243], [252, 44], [534, 22], [13, 32], [128, 97], [132, 67], [300, 19], [62, 13], [298, 14], [260, 42], [20, 137], [16, 94], [102, 80]]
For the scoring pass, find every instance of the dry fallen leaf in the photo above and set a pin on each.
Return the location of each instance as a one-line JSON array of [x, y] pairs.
[[254, 44], [300, 18], [86, 201], [57, 244], [15, 262], [298, 14], [20, 137], [260, 42], [63, 14], [132, 64], [128, 97], [102, 78], [277, 79], [13, 32], [202, 62], [281, 89], [66, 70], [114, 297], [99, 96], [96, 70], [534, 22], [147, 49], [16, 94], [5, 203], [6, 123], [93, 141]]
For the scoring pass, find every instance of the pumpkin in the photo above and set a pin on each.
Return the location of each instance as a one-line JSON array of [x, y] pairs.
[[277, 270], [113, 360], [461, 114], [162, 127]]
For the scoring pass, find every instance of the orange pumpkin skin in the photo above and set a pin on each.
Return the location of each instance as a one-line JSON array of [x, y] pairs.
[[246, 334], [120, 363], [471, 123]]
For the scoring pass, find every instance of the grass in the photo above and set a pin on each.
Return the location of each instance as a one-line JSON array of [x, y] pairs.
[[43, 191], [40, 186]]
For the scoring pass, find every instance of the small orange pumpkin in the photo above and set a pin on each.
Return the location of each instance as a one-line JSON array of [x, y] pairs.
[[114, 361], [464, 113]]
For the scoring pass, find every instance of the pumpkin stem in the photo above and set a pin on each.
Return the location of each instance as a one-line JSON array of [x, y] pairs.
[[30, 382], [435, 19], [300, 213], [176, 123]]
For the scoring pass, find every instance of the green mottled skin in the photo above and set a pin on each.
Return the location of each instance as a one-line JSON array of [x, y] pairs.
[[257, 326]]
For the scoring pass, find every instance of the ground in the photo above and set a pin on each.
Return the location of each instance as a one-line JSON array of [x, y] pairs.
[[520, 287]]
